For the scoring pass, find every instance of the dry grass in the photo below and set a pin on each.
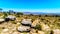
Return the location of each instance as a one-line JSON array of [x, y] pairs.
[[52, 22]]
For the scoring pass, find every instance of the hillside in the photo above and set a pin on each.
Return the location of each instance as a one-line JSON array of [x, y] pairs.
[[35, 24]]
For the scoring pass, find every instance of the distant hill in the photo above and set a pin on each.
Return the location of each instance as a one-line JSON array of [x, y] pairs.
[[41, 13], [34, 13]]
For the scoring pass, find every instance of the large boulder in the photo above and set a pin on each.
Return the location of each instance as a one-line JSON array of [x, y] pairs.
[[26, 22], [23, 28], [5, 30], [2, 20], [10, 17], [56, 31]]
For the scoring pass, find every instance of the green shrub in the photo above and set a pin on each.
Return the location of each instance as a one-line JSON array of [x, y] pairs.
[[38, 27], [19, 13], [5, 14]]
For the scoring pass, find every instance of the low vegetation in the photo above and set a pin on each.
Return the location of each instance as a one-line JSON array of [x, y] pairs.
[[52, 21]]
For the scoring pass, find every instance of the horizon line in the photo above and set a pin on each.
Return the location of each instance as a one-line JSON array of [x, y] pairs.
[[55, 10]]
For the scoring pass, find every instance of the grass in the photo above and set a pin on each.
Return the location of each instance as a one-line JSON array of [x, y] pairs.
[[52, 22]]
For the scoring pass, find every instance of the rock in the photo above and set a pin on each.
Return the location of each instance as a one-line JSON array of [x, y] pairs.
[[23, 28], [2, 20], [5, 33], [10, 31], [41, 32], [45, 27], [24, 33], [18, 23], [14, 29], [26, 22], [5, 30], [15, 33], [35, 23], [33, 33], [56, 31], [10, 17]]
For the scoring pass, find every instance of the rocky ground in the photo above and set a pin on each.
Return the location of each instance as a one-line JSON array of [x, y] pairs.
[[39, 25]]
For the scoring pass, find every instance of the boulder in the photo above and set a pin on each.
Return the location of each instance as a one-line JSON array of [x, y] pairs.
[[35, 23], [10, 17], [33, 31], [23, 29], [2, 20], [15, 33], [41, 32], [5, 30], [26, 22], [56, 31]]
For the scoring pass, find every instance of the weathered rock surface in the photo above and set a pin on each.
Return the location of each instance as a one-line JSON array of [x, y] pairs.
[[23, 28], [33, 33], [2, 20], [56, 31], [26, 22], [10, 17], [5, 30], [41, 32]]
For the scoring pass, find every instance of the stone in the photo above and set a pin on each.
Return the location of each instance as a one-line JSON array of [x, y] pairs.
[[23, 28], [5, 33], [5, 30], [33, 33], [33, 30], [2, 20], [26, 22], [10, 17], [24, 33], [41, 32], [56, 31]]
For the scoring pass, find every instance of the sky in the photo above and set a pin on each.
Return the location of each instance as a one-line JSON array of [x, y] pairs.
[[48, 6]]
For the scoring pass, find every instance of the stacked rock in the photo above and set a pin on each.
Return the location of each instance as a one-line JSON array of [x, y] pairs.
[[25, 27]]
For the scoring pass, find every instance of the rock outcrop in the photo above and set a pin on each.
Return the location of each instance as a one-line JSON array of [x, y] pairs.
[[23, 28]]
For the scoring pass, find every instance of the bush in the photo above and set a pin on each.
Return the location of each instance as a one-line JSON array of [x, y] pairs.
[[38, 27], [5, 14], [19, 13]]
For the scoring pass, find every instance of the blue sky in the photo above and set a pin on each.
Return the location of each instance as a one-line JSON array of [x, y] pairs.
[[31, 5]]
